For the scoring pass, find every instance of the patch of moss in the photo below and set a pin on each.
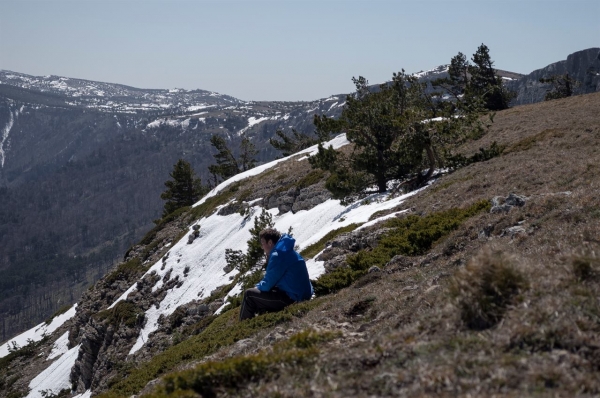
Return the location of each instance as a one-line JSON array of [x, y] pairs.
[[410, 236], [124, 312], [127, 271], [211, 204], [312, 250]]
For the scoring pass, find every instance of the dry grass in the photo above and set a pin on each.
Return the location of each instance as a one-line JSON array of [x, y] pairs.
[[428, 329], [486, 286]]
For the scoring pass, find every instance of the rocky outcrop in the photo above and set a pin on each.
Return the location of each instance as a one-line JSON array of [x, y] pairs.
[[107, 334], [295, 199], [583, 66], [504, 205]]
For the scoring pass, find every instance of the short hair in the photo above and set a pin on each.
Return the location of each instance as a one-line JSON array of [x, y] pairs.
[[269, 234]]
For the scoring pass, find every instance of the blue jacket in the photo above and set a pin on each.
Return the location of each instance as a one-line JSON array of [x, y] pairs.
[[286, 270]]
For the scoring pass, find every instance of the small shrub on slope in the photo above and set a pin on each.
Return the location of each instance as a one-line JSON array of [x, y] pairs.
[[485, 288], [408, 236], [124, 312], [586, 266]]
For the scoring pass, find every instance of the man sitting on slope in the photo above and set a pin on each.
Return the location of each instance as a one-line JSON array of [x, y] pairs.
[[286, 280]]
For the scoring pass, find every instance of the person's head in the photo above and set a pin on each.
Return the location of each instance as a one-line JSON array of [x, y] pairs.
[[268, 238]]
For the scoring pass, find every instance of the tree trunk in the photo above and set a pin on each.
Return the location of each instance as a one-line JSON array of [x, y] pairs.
[[381, 180], [431, 157]]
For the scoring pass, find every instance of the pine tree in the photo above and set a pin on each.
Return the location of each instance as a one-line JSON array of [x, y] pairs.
[[244, 262], [393, 134], [226, 166], [458, 75], [184, 189], [247, 154], [288, 145], [484, 83]]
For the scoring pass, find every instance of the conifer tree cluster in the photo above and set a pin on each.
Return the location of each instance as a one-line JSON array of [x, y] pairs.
[[185, 188], [477, 82], [288, 145], [398, 130], [402, 130]]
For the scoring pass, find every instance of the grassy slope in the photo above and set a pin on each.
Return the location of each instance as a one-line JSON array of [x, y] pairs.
[[403, 334]]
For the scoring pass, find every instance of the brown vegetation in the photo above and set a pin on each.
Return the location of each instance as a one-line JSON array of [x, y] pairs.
[[428, 328]]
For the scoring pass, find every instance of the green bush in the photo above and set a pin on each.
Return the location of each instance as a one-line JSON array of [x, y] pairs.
[[209, 378], [310, 179], [211, 204], [457, 161], [60, 311], [27, 351], [409, 236]]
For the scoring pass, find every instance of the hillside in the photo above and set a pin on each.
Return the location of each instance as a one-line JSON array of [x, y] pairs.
[[503, 302], [82, 166]]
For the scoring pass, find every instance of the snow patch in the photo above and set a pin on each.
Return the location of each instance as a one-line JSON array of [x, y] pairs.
[[61, 346], [56, 377], [38, 332], [4, 135]]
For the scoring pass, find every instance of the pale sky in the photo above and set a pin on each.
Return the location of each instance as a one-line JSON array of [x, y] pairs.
[[282, 50]]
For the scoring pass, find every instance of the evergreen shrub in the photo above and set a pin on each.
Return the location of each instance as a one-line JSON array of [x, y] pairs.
[[312, 250], [410, 236], [124, 312]]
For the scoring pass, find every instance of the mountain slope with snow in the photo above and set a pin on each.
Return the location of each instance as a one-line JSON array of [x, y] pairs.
[[411, 327]]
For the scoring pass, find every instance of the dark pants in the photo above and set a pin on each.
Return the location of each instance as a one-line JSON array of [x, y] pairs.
[[257, 302]]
